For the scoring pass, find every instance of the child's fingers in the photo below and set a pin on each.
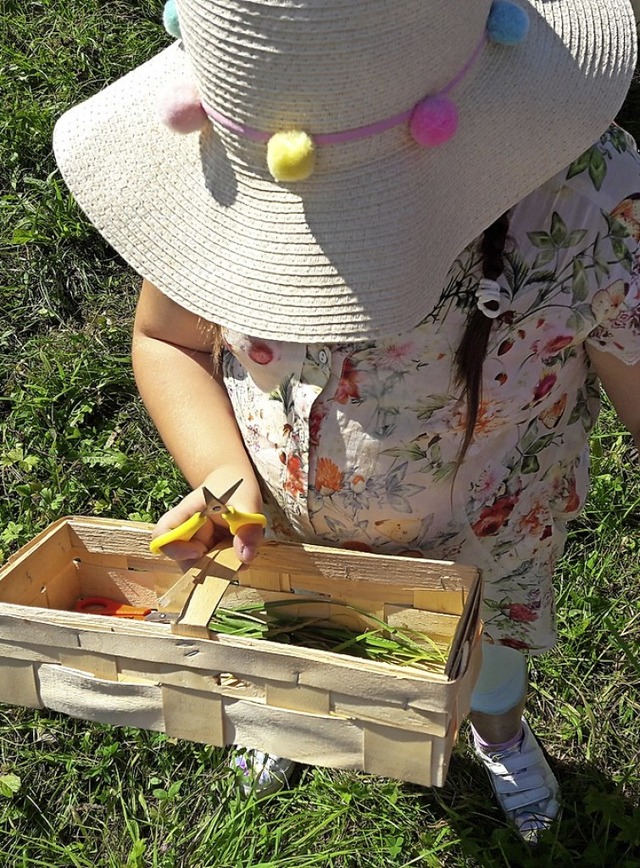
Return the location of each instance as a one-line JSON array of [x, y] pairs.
[[245, 544], [247, 541], [186, 551], [186, 554]]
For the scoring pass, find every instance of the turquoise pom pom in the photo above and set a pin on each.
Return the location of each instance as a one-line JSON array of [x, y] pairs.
[[508, 24], [170, 19]]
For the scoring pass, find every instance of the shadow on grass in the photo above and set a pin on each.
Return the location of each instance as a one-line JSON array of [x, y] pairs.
[[599, 824]]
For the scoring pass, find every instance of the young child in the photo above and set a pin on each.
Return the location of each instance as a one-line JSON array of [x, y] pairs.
[[389, 252]]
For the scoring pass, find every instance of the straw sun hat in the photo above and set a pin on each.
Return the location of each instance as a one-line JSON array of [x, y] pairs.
[[322, 162]]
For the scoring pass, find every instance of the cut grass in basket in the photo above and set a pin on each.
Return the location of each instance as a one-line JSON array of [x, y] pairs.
[[381, 642]]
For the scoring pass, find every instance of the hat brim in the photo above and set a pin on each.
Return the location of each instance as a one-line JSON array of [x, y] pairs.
[[363, 247]]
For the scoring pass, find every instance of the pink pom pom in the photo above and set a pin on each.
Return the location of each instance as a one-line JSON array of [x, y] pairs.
[[434, 121], [180, 108]]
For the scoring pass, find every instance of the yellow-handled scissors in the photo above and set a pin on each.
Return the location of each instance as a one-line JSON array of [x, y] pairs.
[[213, 506]]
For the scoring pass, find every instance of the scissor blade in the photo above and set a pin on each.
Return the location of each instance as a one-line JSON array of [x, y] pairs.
[[213, 504], [162, 617]]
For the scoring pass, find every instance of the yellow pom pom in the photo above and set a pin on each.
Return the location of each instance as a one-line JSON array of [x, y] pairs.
[[291, 155]]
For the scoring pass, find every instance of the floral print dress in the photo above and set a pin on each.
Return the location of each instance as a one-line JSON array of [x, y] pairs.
[[357, 443]]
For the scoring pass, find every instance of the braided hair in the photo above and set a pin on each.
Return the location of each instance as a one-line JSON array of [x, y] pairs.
[[472, 350]]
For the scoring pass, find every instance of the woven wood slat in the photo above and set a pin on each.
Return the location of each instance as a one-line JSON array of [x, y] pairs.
[[314, 706]]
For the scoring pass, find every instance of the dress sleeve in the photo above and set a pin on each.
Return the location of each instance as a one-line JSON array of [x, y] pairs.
[[609, 175], [616, 307], [619, 333]]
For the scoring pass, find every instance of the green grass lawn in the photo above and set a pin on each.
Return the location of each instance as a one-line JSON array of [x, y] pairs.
[[74, 438]]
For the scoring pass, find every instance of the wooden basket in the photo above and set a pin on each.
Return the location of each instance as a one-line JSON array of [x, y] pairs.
[[312, 706]]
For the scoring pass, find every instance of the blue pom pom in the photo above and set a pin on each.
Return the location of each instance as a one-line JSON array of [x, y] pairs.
[[508, 24], [170, 19]]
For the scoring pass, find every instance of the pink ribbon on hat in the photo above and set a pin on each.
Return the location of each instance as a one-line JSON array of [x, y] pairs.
[[420, 117], [291, 153]]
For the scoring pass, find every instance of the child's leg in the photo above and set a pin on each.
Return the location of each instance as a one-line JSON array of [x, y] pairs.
[[498, 728], [500, 694]]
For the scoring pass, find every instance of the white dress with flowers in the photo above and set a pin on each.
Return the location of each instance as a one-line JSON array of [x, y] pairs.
[[357, 443]]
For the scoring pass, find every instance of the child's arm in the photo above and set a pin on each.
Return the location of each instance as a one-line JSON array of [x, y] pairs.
[[621, 382], [187, 401]]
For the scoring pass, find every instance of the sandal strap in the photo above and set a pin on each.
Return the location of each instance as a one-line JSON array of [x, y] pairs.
[[523, 783]]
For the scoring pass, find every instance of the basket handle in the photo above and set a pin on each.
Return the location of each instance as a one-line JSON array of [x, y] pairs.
[[198, 592]]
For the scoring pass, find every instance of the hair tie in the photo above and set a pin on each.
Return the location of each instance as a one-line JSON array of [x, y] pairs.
[[491, 298]]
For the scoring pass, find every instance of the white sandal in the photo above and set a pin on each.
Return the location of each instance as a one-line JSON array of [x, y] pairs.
[[524, 785], [262, 774]]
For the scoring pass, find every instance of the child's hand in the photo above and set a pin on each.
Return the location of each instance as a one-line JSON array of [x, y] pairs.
[[188, 552]]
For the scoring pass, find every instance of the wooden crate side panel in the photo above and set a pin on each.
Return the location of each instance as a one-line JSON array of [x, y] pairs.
[[201, 716], [468, 679], [392, 715], [288, 696], [27, 652], [23, 576], [111, 536], [193, 715], [369, 708], [132, 539], [445, 602], [79, 579], [166, 570], [291, 562], [124, 668], [323, 741], [329, 741], [81, 695], [61, 590], [354, 591], [395, 754], [99, 665], [270, 579], [18, 683], [349, 566], [191, 679], [294, 697], [441, 755], [149, 564], [441, 628], [119, 583], [247, 659], [46, 595]]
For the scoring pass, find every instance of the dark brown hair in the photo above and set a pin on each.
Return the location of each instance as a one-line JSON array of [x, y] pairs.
[[472, 349], [217, 346]]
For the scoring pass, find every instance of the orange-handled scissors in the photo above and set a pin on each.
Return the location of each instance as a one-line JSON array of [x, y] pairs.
[[115, 609], [213, 506], [107, 606]]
